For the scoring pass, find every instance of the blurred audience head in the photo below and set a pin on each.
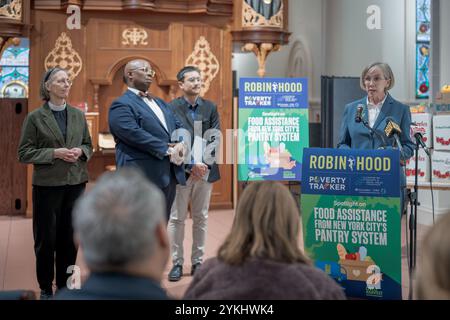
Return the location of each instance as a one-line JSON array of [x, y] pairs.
[[433, 272], [120, 224], [266, 226]]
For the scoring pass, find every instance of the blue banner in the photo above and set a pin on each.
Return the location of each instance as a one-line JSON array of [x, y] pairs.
[[352, 172], [273, 93]]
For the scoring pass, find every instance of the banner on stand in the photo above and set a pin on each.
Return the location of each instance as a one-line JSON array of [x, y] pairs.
[[351, 218], [274, 128]]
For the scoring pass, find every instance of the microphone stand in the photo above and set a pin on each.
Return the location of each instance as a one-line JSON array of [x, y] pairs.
[[399, 145], [413, 200], [413, 196]]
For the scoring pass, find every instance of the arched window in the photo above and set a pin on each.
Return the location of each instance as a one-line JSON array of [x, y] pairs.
[[14, 71]]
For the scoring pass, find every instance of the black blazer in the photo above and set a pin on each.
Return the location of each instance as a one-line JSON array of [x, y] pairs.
[[206, 113], [114, 286]]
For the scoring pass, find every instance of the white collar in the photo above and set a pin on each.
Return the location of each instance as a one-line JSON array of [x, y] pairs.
[[54, 107]]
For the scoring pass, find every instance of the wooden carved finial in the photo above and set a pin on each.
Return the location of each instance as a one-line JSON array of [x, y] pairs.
[[262, 51]]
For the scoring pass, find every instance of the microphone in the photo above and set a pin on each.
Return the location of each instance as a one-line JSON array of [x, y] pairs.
[[359, 110], [419, 139], [393, 129]]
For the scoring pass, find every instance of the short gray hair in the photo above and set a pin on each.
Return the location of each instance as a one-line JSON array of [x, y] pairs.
[[48, 76], [387, 73], [116, 220]]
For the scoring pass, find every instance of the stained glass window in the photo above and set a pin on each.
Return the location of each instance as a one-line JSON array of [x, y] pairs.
[[14, 71], [423, 28]]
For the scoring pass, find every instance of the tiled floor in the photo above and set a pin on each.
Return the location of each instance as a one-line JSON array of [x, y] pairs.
[[17, 260]]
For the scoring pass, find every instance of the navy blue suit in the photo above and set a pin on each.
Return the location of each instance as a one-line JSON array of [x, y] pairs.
[[355, 135], [142, 141], [115, 286]]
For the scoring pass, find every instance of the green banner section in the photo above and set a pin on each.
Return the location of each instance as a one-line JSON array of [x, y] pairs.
[[354, 239], [271, 143]]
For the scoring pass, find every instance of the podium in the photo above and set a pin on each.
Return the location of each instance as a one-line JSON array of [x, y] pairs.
[[351, 218]]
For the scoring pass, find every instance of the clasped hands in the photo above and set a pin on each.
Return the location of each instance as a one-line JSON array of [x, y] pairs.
[[199, 170], [177, 153], [68, 155]]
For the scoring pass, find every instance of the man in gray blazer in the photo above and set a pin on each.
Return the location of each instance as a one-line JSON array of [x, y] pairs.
[[201, 119]]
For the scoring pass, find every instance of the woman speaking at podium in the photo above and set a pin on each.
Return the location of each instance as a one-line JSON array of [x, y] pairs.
[[378, 121]]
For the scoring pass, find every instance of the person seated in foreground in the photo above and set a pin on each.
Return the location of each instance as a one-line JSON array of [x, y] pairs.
[[121, 227], [433, 277], [261, 257]]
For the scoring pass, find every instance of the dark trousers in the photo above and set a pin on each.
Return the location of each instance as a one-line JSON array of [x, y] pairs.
[[170, 191], [53, 233]]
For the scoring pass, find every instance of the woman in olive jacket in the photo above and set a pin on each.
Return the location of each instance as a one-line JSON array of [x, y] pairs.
[[56, 140]]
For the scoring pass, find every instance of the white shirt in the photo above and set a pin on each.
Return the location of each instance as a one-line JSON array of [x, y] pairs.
[[374, 110], [153, 106]]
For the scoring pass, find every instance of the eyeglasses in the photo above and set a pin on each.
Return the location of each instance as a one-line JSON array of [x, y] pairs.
[[374, 79], [148, 70], [61, 81]]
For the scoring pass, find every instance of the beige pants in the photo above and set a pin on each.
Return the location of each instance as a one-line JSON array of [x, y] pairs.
[[199, 193]]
